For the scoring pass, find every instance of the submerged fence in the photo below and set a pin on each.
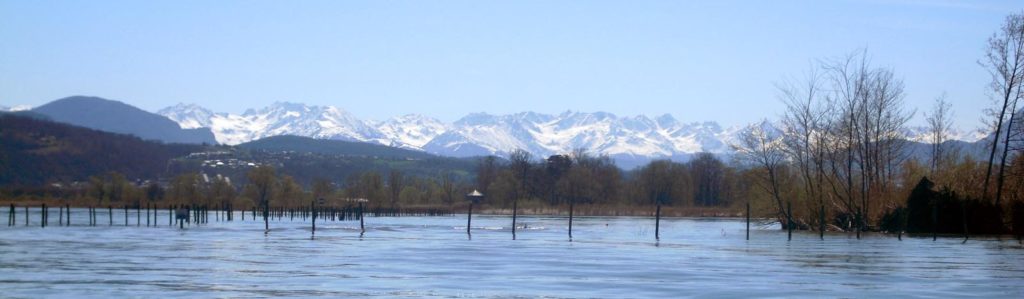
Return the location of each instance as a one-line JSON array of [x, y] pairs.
[[188, 215]]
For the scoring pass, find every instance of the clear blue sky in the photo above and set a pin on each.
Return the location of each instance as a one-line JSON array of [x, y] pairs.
[[698, 60]]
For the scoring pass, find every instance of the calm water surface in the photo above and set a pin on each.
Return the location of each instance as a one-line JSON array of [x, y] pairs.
[[433, 257]]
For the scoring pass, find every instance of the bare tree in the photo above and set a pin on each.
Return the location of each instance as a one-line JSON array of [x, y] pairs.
[[1010, 135], [396, 181], [262, 181], [940, 122], [486, 173], [1004, 59], [577, 186], [805, 125], [448, 187], [555, 167], [867, 145], [656, 184], [222, 192], [520, 166], [322, 188], [708, 173], [368, 185], [764, 148]]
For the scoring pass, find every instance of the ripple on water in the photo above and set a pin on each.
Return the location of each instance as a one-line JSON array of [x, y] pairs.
[[434, 257]]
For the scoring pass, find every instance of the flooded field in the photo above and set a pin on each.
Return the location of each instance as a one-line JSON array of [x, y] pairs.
[[434, 257]]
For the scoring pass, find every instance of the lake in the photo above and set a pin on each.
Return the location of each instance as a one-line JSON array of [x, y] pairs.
[[434, 257]]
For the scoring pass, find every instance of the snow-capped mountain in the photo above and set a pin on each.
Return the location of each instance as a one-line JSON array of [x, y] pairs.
[[411, 130], [281, 118], [635, 138], [598, 132], [189, 116], [924, 135], [475, 134], [15, 108]]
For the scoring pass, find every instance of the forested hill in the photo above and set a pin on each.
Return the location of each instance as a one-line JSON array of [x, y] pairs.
[[307, 159], [332, 147], [35, 151]]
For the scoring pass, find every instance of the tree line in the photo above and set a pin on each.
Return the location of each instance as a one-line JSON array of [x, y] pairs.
[[840, 154]]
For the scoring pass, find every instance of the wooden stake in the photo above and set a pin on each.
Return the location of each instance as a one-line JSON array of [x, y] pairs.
[[789, 219], [657, 222], [821, 222], [935, 221], [963, 206], [515, 209], [571, 208], [748, 220]]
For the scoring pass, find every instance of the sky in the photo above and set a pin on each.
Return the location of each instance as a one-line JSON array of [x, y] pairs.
[[697, 60]]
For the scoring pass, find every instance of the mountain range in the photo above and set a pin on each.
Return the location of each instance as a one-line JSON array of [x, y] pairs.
[[630, 140], [473, 135]]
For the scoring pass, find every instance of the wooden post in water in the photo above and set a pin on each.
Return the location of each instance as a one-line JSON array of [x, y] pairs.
[[472, 197], [821, 222], [899, 220], [963, 207], [857, 222], [515, 212], [26, 216], [313, 205], [469, 218], [362, 228], [572, 203], [748, 220], [935, 221], [657, 222], [42, 215], [60, 216], [147, 213], [138, 215], [266, 217], [789, 219], [125, 215], [110, 214], [67, 207], [10, 216]]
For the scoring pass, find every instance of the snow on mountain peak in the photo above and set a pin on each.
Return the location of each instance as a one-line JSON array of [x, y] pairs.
[[188, 116], [280, 118], [411, 130], [15, 108], [484, 134]]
